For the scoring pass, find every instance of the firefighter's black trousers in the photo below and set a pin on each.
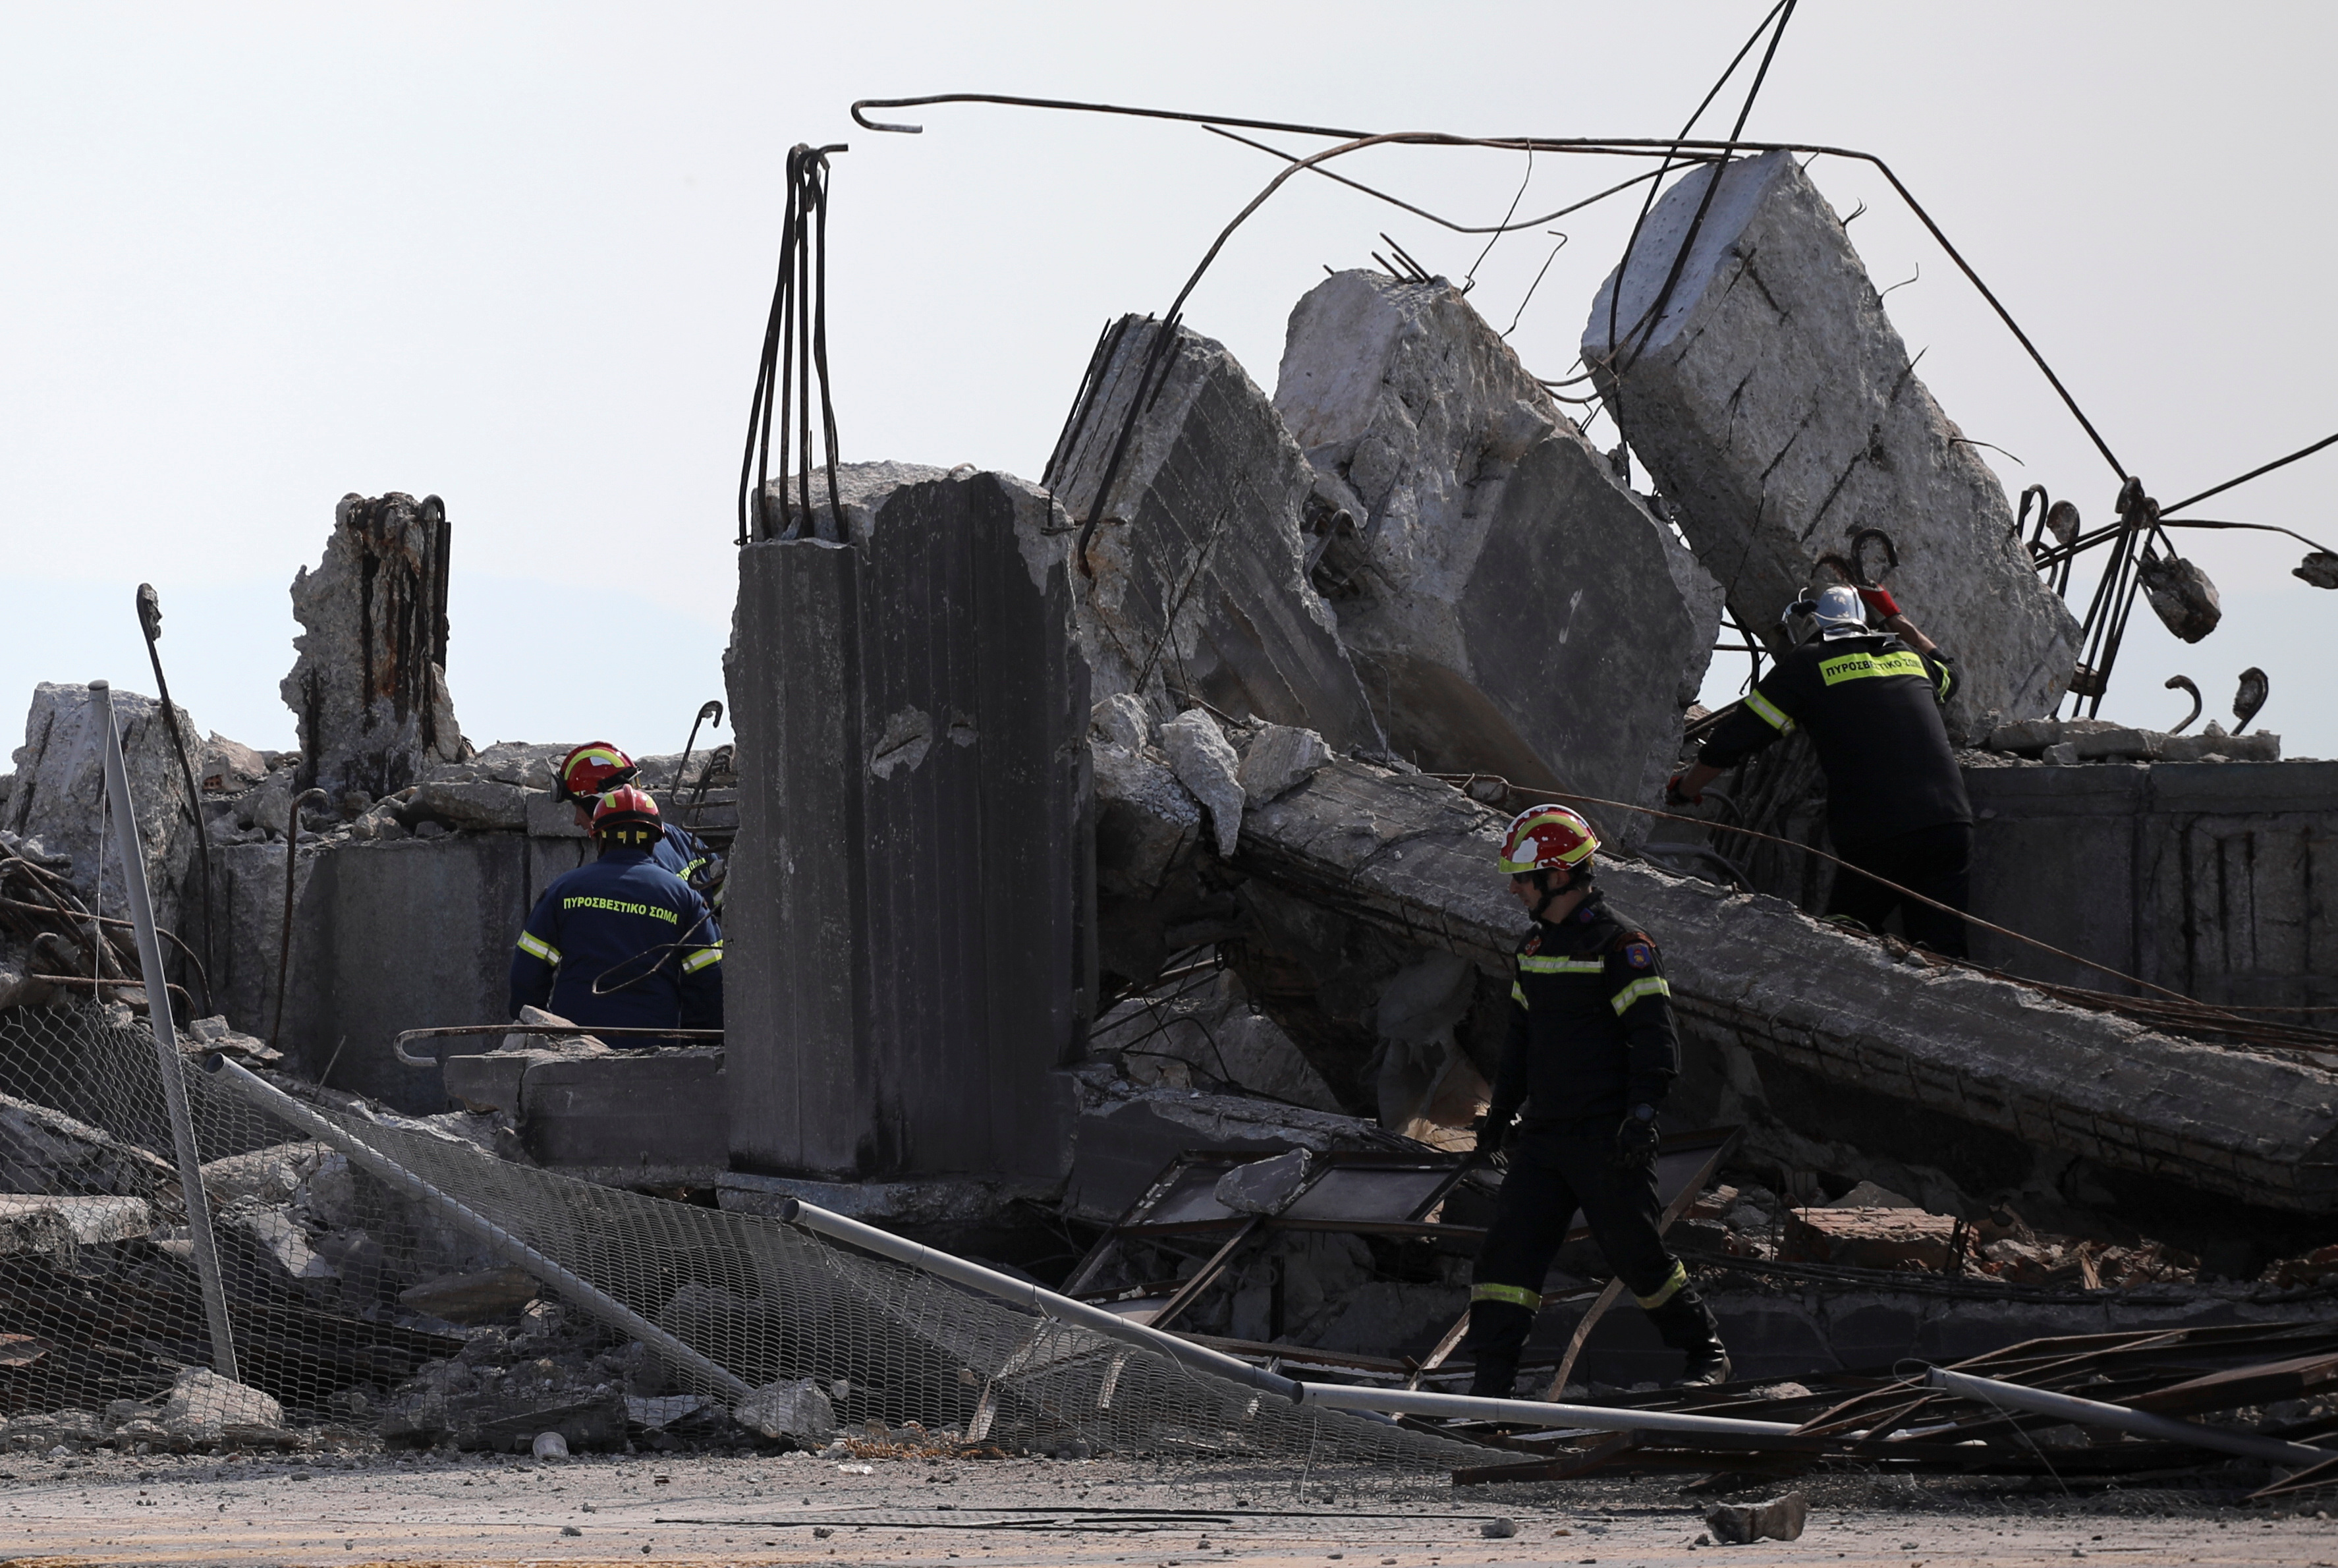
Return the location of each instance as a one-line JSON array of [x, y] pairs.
[[1936, 862], [1550, 1176]]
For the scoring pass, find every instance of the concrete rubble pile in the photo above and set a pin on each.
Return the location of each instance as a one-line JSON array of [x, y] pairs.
[[1082, 826], [1780, 415]]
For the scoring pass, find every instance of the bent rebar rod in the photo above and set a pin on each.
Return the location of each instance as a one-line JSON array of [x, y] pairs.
[[1328, 1397], [565, 1280], [172, 1065]]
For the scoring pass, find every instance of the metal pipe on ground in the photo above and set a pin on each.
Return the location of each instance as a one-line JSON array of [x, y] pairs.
[[2119, 1418], [577, 1288], [172, 1065], [1326, 1397], [1032, 1298]]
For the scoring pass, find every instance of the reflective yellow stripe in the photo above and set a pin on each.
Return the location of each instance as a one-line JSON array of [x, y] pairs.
[[1941, 681], [1515, 1295], [1668, 1290], [1647, 985], [1766, 710], [702, 958], [1532, 965], [1862, 666], [535, 946], [1518, 994]]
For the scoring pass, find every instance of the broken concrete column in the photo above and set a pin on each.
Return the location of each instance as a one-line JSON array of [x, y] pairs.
[[1778, 412], [1511, 607], [1193, 581], [59, 797], [370, 685], [905, 917]]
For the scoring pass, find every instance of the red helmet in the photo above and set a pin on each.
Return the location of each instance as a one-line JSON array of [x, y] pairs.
[[628, 816], [1544, 836], [592, 770]]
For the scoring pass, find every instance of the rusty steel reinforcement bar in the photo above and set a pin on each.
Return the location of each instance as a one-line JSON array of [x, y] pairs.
[[1670, 149], [2119, 1418], [168, 1060], [1326, 1397], [577, 1288]]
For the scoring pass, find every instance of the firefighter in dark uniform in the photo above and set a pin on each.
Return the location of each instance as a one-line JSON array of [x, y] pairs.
[[592, 770], [1590, 1055], [622, 942], [1871, 699]]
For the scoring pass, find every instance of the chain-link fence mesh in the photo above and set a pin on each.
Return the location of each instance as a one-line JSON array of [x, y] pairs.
[[358, 1305]]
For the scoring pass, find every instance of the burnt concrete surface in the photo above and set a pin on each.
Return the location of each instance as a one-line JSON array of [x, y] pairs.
[[369, 687]]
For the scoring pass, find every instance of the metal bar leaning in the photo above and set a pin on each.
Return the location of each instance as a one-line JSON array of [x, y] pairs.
[[2119, 1418], [168, 1060]]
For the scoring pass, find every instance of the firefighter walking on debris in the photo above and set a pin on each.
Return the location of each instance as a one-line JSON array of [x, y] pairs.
[[622, 942], [1590, 1055], [1896, 807]]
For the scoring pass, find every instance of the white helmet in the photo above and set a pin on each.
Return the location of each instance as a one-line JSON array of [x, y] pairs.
[[1839, 611]]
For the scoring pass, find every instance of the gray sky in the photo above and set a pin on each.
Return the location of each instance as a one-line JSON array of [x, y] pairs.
[[519, 256]]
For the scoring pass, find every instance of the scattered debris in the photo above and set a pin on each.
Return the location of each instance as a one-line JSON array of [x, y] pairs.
[[1779, 1519]]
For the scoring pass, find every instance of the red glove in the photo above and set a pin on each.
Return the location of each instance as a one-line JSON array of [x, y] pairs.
[[1674, 795], [1881, 601]]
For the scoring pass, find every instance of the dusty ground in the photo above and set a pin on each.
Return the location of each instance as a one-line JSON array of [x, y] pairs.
[[681, 1508]]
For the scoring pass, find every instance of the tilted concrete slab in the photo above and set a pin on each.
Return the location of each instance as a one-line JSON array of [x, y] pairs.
[[1415, 857], [1512, 608], [1778, 409], [1194, 576]]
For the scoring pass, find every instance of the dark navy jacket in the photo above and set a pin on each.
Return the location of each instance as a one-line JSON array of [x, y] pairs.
[[620, 943], [685, 853]]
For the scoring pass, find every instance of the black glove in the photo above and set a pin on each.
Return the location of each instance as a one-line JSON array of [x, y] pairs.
[[1492, 1132], [1636, 1139], [1674, 796]]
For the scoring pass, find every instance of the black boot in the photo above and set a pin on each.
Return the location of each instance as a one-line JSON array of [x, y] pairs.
[[1497, 1338], [1686, 1324]]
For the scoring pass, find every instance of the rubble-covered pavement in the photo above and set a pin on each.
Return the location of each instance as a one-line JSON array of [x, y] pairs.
[[692, 1509]]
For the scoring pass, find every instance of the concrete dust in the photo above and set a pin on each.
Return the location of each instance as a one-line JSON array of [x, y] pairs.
[[796, 1508]]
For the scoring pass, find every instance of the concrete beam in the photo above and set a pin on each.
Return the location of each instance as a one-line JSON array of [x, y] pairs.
[[1414, 858]]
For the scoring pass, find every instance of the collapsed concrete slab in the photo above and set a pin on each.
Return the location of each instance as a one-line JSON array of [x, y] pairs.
[[370, 685], [1780, 414], [1786, 999], [1195, 575], [1511, 607], [905, 913], [59, 797]]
